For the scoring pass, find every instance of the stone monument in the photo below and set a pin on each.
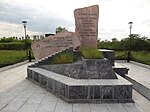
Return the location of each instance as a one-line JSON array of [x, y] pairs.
[[86, 21], [53, 44], [85, 80]]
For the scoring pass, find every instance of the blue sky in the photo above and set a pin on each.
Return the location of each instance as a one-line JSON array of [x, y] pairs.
[[43, 16]]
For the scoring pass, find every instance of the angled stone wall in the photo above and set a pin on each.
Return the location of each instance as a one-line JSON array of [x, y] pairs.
[[85, 69]]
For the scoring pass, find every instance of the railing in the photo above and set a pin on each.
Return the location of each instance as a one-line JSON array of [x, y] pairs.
[[138, 56]]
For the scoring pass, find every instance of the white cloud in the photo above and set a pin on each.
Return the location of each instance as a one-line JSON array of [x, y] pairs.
[[45, 15], [8, 29]]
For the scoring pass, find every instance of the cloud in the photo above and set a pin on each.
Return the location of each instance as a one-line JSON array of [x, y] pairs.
[[38, 20], [9, 29], [43, 16]]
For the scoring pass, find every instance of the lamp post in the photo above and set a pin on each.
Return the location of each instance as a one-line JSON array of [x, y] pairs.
[[129, 52], [28, 53], [130, 23], [24, 25]]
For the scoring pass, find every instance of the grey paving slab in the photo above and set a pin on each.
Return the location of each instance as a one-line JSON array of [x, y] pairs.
[[6, 98], [63, 107], [141, 103], [28, 108], [40, 91], [2, 105], [81, 108], [13, 106], [99, 108], [36, 98], [131, 107], [50, 102], [116, 108], [45, 108], [26, 94], [50, 96]]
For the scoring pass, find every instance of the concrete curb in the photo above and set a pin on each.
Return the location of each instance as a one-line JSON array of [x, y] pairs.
[[142, 89], [12, 66], [140, 64], [133, 62]]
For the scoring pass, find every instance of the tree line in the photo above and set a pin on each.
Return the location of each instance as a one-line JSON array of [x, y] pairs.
[[134, 42]]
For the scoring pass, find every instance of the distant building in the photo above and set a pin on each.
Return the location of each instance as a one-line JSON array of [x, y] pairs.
[[49, 34]]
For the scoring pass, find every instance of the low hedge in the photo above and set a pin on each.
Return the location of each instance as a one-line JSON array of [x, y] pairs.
[[14, 46]]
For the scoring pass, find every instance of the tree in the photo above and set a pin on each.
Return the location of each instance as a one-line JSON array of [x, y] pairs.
[[60, 29], [114, 40]]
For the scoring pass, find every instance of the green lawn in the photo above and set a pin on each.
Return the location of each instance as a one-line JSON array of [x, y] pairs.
[[138, 56], [8, 57]]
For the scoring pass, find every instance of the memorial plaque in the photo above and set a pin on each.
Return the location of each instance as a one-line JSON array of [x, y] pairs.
[[86, 21], [53, 44]]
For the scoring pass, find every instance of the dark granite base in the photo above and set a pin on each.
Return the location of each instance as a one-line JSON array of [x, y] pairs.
[[109, 54], [84, 69], [122, 71], [83, 91]]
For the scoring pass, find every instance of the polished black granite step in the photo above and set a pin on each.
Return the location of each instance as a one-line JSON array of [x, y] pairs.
[[83, 90]]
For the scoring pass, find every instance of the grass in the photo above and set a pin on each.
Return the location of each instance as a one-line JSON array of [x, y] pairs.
[[142, 57], [63, 58], [121, 55], [91, 53], [138, 56], [8, 57]]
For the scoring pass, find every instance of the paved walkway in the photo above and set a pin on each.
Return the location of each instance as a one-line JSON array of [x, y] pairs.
[[20, 95], [138, 73]]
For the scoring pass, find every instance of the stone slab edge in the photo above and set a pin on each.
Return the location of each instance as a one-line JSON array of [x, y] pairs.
[[12, 66], [143, 90], [140, 64]]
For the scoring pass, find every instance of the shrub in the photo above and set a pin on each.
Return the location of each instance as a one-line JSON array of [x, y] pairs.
[[63, 58], [91, 53], [121, 55], [12, 46], [19, 45]]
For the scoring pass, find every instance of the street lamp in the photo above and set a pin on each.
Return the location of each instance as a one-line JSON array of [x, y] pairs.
[[29, 55], [24, 25], [129, 52], [130, 23]]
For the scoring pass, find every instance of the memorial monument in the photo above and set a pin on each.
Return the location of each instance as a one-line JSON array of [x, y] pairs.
[[86, 21], [53, 44], [83, 80]]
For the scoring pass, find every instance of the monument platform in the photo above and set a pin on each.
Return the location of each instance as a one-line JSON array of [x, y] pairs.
[[20, 95], [83, 90]]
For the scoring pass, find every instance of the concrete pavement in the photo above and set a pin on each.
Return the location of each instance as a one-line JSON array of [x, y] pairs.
[[17, 94], [139, 76]]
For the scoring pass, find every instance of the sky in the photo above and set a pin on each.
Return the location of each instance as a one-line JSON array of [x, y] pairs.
[[44, 16]]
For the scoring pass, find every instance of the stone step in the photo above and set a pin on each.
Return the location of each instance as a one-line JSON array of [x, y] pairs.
[[83, 90], [140, 87], [138, 75], [47, 59]]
